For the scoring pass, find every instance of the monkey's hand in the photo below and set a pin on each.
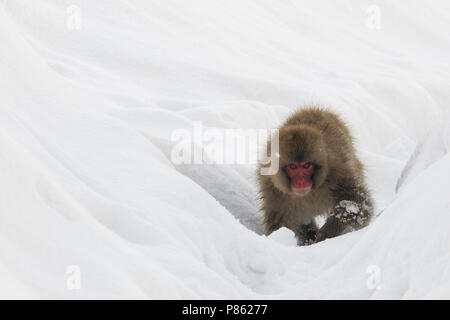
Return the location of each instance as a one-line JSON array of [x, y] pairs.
[[307, 234], [346, 215], [354, 205], [352, 213]]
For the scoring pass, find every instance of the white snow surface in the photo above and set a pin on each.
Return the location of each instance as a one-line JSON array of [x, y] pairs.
[[86, 117]]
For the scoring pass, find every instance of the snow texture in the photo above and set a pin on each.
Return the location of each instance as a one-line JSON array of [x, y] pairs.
[[91, 206]]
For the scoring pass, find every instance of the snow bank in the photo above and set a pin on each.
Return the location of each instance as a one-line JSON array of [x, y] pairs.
[[92, 207]]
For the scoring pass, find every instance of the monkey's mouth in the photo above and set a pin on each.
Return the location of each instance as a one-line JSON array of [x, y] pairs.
[[301, 191]]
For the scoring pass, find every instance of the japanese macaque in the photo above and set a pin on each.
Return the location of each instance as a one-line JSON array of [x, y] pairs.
[[319, 173]]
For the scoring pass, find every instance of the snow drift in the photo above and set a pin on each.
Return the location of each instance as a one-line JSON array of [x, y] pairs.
[[86, 116]]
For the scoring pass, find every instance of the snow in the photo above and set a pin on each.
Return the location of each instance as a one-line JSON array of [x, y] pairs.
[[284, 236], [92, 91]]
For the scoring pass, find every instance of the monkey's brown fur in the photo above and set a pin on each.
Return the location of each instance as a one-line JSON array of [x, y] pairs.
[[338, 187]]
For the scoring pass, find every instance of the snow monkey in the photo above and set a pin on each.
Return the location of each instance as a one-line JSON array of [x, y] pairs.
[[319, 173]]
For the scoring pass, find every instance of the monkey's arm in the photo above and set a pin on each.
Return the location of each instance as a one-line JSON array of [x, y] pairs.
[[273, 219], [353, 209]]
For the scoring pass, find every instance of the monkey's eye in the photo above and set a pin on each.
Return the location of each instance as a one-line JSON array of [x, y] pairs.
[[293, 166], [307, 165]]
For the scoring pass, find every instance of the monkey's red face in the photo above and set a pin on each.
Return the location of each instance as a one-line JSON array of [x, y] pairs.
[[300, 176]]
